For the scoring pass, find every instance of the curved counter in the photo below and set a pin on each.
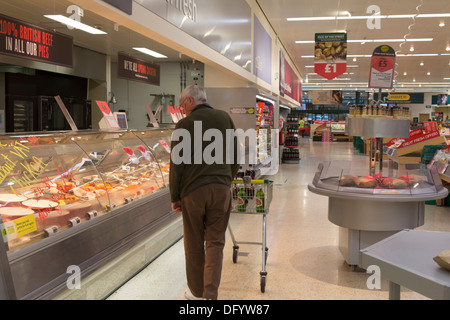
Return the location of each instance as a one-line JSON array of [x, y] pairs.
[[368, 215]]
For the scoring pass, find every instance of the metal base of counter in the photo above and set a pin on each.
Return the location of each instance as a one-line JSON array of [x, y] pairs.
[[363, 222], [44, 269], [105, 281]]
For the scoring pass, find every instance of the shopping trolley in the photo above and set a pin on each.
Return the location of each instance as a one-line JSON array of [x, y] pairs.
[[252, 197]]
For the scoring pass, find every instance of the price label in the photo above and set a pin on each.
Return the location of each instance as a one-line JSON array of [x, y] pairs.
[[330, 70]]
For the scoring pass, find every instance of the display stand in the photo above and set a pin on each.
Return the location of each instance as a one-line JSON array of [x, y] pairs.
[[367, 216], [403, 155], [291, 153]]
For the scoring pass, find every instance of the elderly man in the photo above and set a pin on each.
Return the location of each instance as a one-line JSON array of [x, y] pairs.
[[202, 192]]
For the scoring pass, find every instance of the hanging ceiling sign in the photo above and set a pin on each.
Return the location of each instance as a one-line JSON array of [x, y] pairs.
[[330, 54], [382, 68], [23, 40], [138, 70], [124, 5]]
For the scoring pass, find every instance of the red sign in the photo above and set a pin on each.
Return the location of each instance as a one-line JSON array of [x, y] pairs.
[[260, 113], [330, 70], [330, 54], [420, 138], [382, 68], [173, 114], [412, 134], [430, 126]]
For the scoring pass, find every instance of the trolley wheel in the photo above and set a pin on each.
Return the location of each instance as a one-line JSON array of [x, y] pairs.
[[235, 253], [263, 281]]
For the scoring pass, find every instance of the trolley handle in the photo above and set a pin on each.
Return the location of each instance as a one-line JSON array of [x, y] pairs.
[[265, 181]]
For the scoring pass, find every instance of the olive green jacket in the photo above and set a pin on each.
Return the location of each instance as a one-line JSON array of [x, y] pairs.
[[194, 172]]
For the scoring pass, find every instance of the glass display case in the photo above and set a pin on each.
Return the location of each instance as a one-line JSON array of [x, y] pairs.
[[368, 207], [53, 182], [354, 178], [78, 198]]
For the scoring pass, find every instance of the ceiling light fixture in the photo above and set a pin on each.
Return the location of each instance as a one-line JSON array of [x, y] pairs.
[[374, 40], [75, 24], [393, 16], [150, 52]]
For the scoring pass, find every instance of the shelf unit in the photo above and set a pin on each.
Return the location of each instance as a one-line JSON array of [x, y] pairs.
[[291, 152]]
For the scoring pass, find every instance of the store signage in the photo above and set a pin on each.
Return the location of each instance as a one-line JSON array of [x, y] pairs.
[[242, 110], [330, 54], [108, 115], [382, 68], [262, 53], [224, 26], [187, 7], [326, 97], [138, 70], [289, 82], [124, 5], [402, 98], [259, 114], [23, 40], [173, 114]]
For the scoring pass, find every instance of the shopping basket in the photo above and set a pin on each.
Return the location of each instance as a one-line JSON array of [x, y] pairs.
[[252, 197]]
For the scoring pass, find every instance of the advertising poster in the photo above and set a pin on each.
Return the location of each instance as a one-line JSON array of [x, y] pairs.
[[330, 54], [326, 97], [382, 68], [262, 66], [289, 82], [134, 69], [23, 40]]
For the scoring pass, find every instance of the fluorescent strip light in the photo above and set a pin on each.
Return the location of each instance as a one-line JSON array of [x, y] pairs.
[[75, 24], [150, 52], [375, 40], [392, 16]]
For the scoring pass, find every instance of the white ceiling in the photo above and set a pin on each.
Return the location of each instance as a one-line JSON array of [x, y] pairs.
[[438, 67], [277, 12]]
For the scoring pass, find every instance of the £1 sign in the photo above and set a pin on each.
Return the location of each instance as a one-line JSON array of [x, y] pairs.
[[330, 70]]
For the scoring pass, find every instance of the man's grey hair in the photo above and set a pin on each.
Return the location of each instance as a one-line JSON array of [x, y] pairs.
[[194, 91]]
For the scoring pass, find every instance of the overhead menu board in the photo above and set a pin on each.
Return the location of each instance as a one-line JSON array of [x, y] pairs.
[[23, 40]]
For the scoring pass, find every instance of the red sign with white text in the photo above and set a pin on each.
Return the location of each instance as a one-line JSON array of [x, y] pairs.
[[330, 70]]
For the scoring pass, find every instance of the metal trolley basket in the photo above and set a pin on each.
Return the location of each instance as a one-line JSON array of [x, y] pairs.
[[252, 197]]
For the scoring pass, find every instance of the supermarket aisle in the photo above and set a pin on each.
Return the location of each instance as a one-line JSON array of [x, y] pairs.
[[304, 261]]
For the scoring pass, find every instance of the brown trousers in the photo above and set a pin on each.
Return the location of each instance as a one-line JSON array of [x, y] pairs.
[[206, 212]]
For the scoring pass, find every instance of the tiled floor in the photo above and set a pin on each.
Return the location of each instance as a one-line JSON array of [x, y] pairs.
[[304, 261]]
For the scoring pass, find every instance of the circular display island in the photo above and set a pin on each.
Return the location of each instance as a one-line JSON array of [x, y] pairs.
[[371, 208]]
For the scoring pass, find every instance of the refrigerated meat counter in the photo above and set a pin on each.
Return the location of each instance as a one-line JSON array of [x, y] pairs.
[[78, 199]]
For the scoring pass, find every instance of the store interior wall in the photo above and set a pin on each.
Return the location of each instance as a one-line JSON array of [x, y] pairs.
[[132, 96], [417, 109]]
